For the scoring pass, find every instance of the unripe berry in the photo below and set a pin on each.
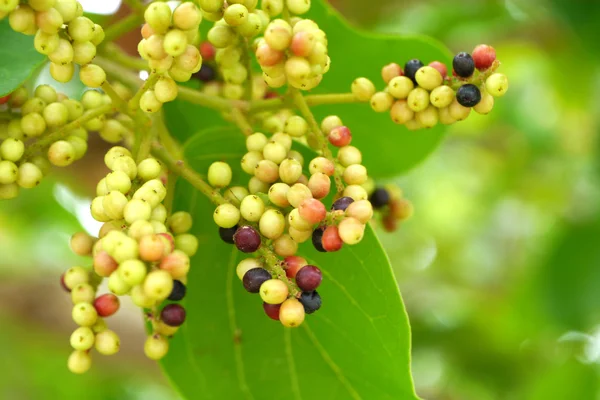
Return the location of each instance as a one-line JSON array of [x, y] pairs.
[[299, 235], [84, 314], [104, 264], [187, 243], [362, 210], [401, 209], [175, 42], [255, 185], [486, 104], [298, 193], [401, 113], [441, 68], [165, 89], [285, 246], [246, 265], [484, 56], [79, 362], [291, 313], [278, 194], [278, 35], [63, 54], [297, 222], [150, 103], [252, 208], [400, 87], [158, 285], [22, 19], [221, 36], [158, 17], [496, 84], [381, 102], [272, 224], [117, 285], [75, 276], [390, 71], [177, 264], [46, 43], [295, 126], [349, 155], [267, 171], [132, 272], [256, 142], [312, 210], [254, 278], [330, 122], [458, 111], [82, 244], [275, 152], [442, 96], [149, 169], [445, 117], [156, 346], [82, 338], [173, 315], [418, 99], [107, 342], [235, 14], [428, 78], [323, 165], [351, 230], [82, 293], [274, 291], [136, 210], [411, 67], [363, 89], [429, 117], [463, 64], [226, 215], [355, 175], [33, 124], [187, 16]]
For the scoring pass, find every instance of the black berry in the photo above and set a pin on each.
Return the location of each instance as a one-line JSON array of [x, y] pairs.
[[178, 292], [317, 239], [309, 278], [227, 234], [246, 239], [468, 95], [411, 68], [254, 278], [463, 65], [379, 198], [173, 315], [311, 301], [342, 203], [272, 310], [206, 73]]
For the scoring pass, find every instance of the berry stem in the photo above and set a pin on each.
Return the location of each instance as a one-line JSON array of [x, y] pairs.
[[66, 129], [214, 102], [114, 96], [242, 122], [248, 64], [273, 265], [311, 100], [316, 134], [114, 53], [145, 133], [123, 26], [135, 5]]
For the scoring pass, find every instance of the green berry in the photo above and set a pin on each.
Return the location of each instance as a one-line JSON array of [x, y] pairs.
[[158, 285], [132, 272], [255, 185], [82, 338], [267, 171], [33, 125], [83, 52], [356, 192], [219, 174], [56, 115], [274, 291], [363, 89], [298, 193], [92, 75], [256, 142], [29, 175], [291, 313], [22, 19], [362, 210], [136, 210], [9, 191], [236, 14], [165, 89], [158, 16], [83, 293], [117, 285], [381, 102], [180, 222], [61, 153], [275, 152], [41, 5], [486, 103], [81, 29], [235, 194], [290, 171], [12, 149], [62, 73], [429, 117], [221, 36], [46, 43], [8, 172], [351, 230], [118, 180], [428, 77], [278, 35], [246, 265], [418, 99], [400, 87], [79, 362], [226, 215], [107, 342], [84, 314], [124, 164], [278, 194], [355, 175], [285, 246], [68, 9], [400, 112], [175, 42], [149, 169], [349, 155], [298, 6], [296, 126], [49, 21], [150, 103], [272, 7], [252, 208], [442, 96], [156, 347], [496, 84], [272, 224], [187, 16], [458, 111]]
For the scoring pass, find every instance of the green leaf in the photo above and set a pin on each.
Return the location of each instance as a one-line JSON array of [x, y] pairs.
[[356, 347], [388, 149], [19, 58]]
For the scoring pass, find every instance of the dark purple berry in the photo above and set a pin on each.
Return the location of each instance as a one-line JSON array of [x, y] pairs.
[[342, 203], [254, 278], [246, 239], [463, 65], [317, 239], [309, 278], [173, 315], [227, 234], [379, 198], [206, 73], [272, 310], [311, 301], [411, 68], [178, 292], [468, 95]]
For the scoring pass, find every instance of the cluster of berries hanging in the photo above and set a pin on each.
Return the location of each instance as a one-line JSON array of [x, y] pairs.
[[421, 96], [141, 251], [62, 33]]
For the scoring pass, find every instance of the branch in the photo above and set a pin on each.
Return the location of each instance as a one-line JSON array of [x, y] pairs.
[[122, 26]]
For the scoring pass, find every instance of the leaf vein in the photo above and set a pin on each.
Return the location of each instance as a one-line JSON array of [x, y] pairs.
[[287, 337]]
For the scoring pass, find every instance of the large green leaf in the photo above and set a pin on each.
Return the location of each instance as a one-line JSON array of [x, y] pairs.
[[388, 149], [356, 347], [19, 58]]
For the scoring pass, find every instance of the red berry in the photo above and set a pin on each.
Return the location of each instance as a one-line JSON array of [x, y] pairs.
[[173, 315], [106, 305], [4, 100], [390, 224], [340, 136], [272, 310], [293, 265], [302, 44], [271, 95], [331, 239], [62, 283], [484, 56], [104, 264], [247, 239], [312, 210], [309, 278], [442, 69], [207, 51]]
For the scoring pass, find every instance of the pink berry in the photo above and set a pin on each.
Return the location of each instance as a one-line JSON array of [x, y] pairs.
[[309, 278], [443, 70], [319, 185], [173, 315], [391, 71], [104, 264], [177, 264], [272, 310], [340, 136], [484, 56], [302, 44], [168, 240], [293, 265], [106, 305], [331, 239], [312, 210], [152, 248], [267, 57]]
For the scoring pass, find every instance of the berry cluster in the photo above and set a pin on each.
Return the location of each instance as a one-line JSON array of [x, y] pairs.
[[169, 45], [143, 252], [35, 117], [394, 208], [62, 33], [421, 96]]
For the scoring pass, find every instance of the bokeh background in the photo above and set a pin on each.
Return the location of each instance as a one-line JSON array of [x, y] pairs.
[[499, 267]]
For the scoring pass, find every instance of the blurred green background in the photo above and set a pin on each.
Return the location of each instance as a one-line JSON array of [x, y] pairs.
[[499, 267]]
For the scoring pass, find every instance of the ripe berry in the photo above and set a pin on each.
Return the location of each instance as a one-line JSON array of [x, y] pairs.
[[331, 239], [106, 305], [178, 292], [291, 313], [411, 67], [293, 265], [340, 136], [309, 278], [311, 301], [207, 73], [468, 95], [254, 278], [463, 64], [317, 239], [342, 203], [379, 198], [484, 56], [173, 315], [272, 310], [247, 239], [226, 234]]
